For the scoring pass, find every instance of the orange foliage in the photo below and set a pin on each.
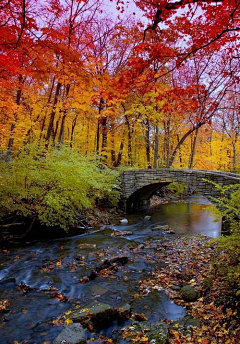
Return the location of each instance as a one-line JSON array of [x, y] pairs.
[[154, 97]]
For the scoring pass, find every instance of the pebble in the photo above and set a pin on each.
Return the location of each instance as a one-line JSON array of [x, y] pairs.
[[141, 246], [124, 221]]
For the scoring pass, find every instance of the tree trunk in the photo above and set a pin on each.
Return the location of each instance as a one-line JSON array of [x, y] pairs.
[[193, 149], [61, 133], [147, 138], [130, 162], [104, 137], [104, 133], [113, 155], [118, 162], [42, 127], [98, 126], [167, 142], [11, 139], [180, 153], [50, 131], [189, 132], [156, 147], [74, 122], [48, 102]]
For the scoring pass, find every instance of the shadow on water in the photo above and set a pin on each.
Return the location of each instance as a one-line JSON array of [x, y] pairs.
[[61, 263]]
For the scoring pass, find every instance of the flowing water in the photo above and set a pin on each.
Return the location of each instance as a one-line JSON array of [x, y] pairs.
[[53, 269]]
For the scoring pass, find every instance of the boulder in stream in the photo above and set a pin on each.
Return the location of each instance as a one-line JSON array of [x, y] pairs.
[[188, 293], [73, 334], [147, 218], [111, 264], [100, 315]]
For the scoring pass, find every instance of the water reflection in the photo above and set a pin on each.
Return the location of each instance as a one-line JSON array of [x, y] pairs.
[[192, 216]]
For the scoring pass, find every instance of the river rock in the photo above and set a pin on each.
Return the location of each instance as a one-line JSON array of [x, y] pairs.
[[111, 264], [100, 314], [147, 218], [188, 293], [123, 313], [191, 322], [120, 260], [73, 334], [157, 333], [175, 287], [141, 246], [160, 227], [124, 221]]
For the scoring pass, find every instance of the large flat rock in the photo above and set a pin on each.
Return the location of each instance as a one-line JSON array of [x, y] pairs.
[[73, 334]]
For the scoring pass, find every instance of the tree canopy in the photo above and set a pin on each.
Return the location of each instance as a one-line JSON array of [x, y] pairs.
[[158, 87]]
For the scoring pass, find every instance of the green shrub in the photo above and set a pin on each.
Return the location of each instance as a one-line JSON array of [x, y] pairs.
[[228, 205], [226, 263], [54, 185], [177, 188]]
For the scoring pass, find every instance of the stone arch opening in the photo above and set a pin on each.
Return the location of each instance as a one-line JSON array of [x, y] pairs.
[[140, 199]]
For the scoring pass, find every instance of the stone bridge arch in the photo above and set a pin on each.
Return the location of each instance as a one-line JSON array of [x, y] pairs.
[[138, 186]]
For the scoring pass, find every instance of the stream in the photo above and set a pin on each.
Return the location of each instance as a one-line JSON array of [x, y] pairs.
[[42, 281]]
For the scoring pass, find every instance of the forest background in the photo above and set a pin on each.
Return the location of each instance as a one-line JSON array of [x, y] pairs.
[[158, 87]]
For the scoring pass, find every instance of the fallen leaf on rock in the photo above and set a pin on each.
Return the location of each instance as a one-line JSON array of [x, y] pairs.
[[68, 321]]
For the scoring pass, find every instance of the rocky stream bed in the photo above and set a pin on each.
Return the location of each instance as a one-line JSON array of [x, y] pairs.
[[134, 283]]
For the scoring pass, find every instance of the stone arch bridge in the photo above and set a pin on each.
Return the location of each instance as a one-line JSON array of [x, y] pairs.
[[138, 186]]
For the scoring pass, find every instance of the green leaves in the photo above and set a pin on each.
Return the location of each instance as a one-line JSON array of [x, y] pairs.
[[177, 188], [54, 185], [228, 205]]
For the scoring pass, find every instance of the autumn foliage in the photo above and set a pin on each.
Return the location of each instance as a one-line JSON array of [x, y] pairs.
[[155, 89]]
